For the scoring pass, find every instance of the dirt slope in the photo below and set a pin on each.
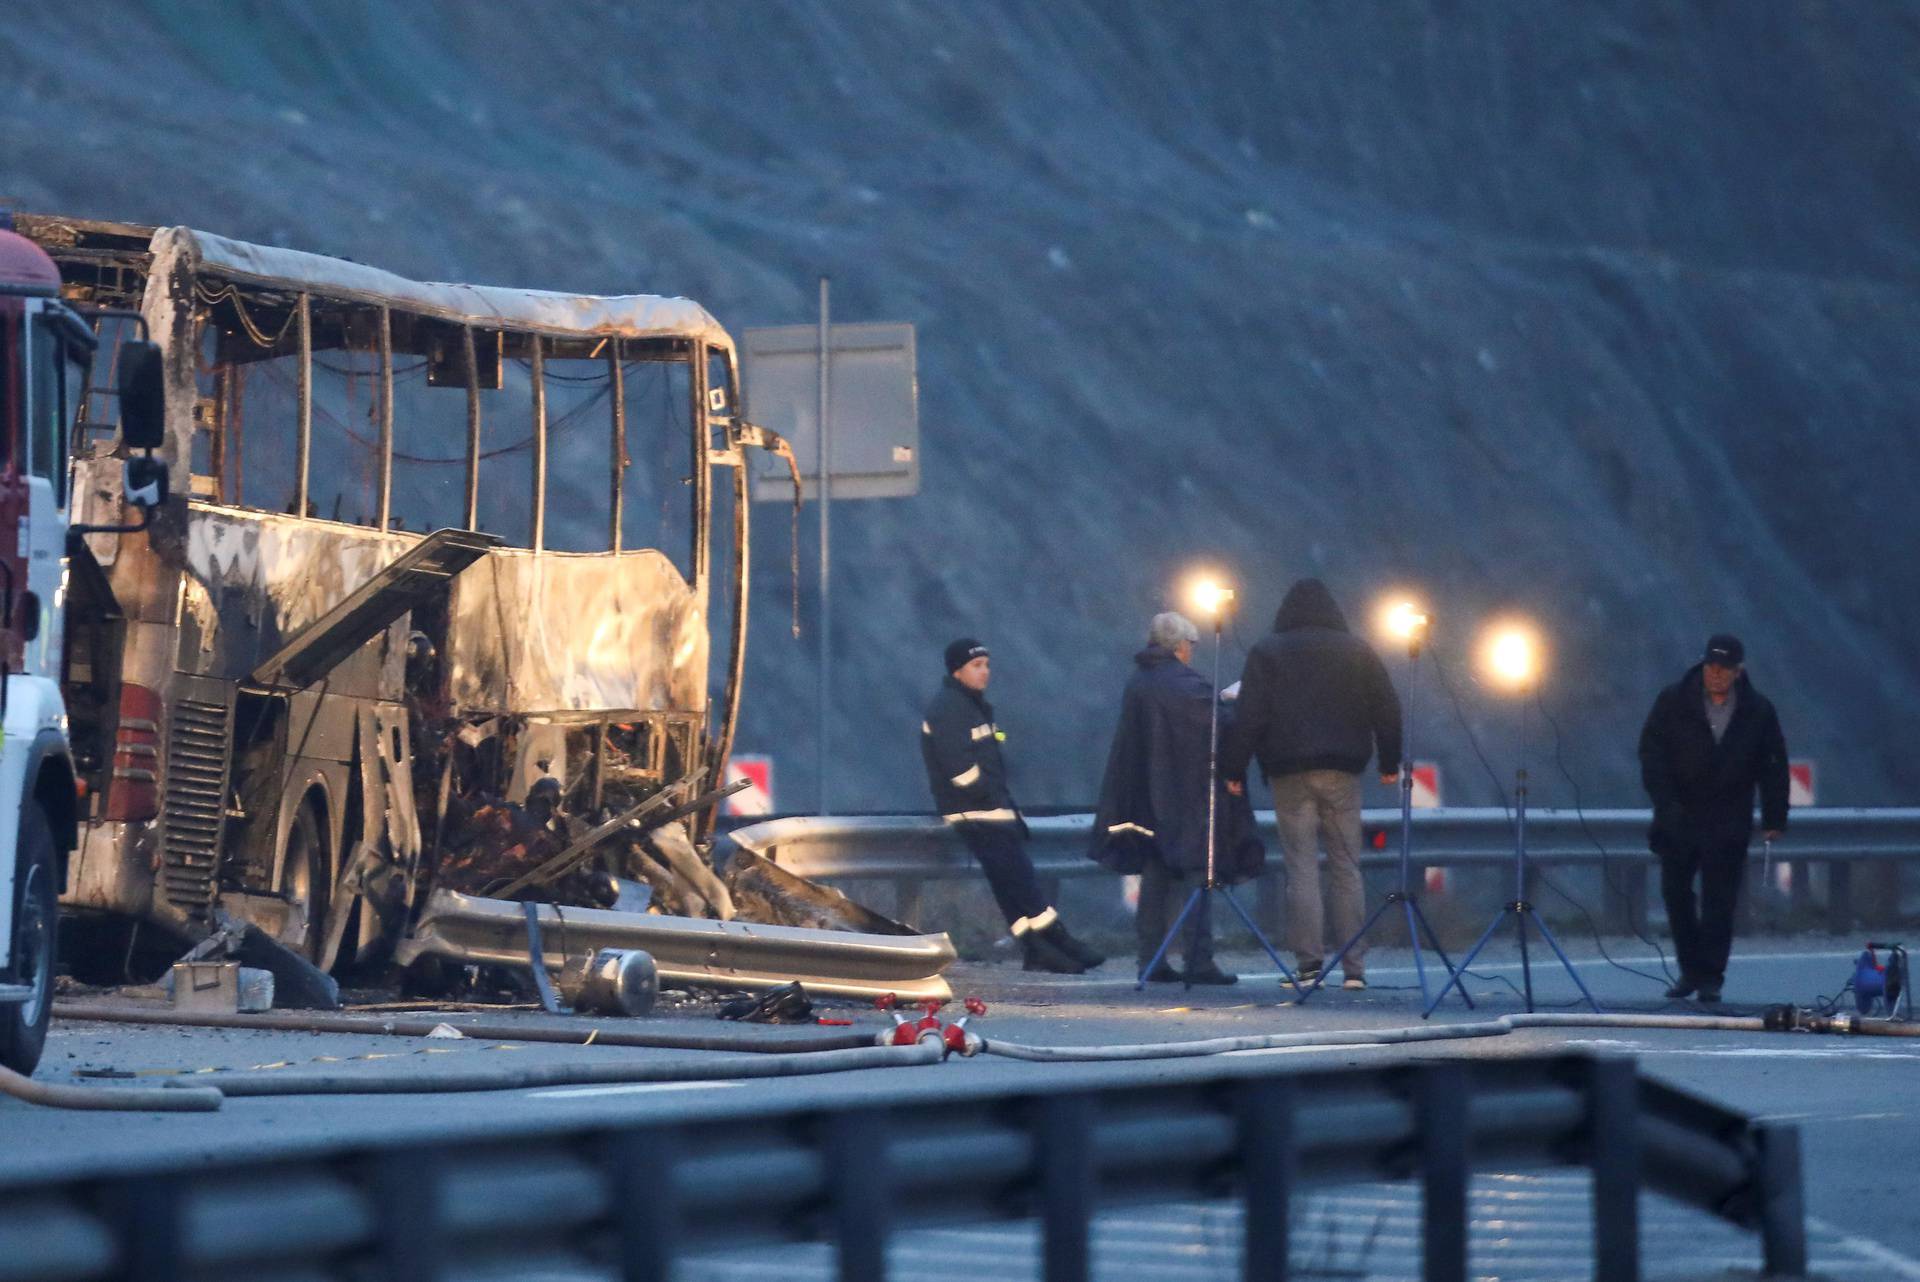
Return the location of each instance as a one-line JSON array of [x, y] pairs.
[[1603, 314]]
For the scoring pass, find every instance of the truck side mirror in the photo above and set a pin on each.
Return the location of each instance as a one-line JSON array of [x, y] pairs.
[[143, 396], [144, 481]]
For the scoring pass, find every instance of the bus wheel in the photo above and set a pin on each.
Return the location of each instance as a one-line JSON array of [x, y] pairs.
[[23, 1025], [303, 882]]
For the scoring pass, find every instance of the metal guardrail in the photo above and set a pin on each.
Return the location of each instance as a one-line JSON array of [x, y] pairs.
[[625, 1203], [686, 950], [910, 848], [923, 846]]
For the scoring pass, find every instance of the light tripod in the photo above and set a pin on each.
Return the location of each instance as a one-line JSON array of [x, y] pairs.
[[1411, 624], [1521, 908], [1218, 598]]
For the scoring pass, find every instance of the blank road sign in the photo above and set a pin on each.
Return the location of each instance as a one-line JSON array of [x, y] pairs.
[[874, 407]]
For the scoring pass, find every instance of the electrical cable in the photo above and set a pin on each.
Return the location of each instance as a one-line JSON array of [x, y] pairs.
[[1606, 866], [1473, 741]]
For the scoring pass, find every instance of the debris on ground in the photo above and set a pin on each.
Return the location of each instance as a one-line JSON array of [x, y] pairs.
[[787, 1004]]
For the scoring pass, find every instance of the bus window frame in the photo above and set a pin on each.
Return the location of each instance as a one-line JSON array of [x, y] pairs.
[[225, 318]]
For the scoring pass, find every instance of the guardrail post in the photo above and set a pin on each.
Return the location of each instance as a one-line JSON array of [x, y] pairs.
[[1800, 896], [1883, 893], [1779, 1200], [145, 1214], [1063, 1132], [1266, 1173], [1839, 896], [1625, 894], [1440, 1098], [642, 1203], [1613, 1120], [404, 1186], [907, 899], [859, 1207], [1269, 901]]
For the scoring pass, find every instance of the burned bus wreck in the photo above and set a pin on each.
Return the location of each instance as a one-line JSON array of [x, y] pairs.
[[426, 629]]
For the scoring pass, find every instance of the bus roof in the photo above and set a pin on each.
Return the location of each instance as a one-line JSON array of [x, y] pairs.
[[485, 306]]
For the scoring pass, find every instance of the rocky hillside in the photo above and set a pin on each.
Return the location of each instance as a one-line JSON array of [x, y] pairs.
[[1601, 314]]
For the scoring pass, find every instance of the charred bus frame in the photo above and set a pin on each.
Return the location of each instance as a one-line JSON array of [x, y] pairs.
[[295, 686]]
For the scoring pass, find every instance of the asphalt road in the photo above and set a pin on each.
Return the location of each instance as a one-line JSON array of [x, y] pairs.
[[1848, 1095]]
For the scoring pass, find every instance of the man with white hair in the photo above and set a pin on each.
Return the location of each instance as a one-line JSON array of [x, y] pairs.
[[1152, 818]]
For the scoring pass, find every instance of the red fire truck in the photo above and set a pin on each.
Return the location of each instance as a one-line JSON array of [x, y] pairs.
[[56, 611]]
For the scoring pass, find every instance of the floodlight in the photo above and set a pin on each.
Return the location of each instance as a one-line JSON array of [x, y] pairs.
[[1208, 596], [1404, 620], [1511, 654], [1401, 618]]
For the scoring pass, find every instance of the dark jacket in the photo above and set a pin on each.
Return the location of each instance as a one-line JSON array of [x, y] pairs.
[[1153, 800], [961, 747], [1702, 791], [1313, 696]]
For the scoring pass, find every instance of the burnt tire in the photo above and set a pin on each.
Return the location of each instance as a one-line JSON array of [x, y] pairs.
[[23, 1025], [303, 882]]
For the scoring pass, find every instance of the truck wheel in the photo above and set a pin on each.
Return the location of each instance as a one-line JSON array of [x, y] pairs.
[[302, 881], [23, 1025]]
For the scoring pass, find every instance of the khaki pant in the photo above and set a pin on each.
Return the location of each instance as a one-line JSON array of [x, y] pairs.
[[1309, 808]]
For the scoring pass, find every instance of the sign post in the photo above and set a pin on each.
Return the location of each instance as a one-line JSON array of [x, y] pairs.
[[847, 398]]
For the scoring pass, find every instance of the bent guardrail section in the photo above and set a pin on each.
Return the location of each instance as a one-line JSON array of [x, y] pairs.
[[627, 1202], [686, 950]]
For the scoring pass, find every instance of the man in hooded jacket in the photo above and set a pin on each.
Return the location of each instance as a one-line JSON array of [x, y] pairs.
[[1709, 742], [960, 745], [1315, 705], [1152, 817]]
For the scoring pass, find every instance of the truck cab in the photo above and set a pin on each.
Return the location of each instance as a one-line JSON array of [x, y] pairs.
[[47, 351]]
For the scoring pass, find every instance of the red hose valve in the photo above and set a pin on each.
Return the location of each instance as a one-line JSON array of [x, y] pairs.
[[886, 1001], [975, 1006]]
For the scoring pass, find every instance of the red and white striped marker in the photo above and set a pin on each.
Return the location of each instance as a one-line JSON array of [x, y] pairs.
[[757, 800]]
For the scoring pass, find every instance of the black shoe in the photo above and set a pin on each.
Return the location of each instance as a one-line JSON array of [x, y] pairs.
[[1709, 994], [1043, 955], [1163, 974], [1211, 974], [1057, 935], [1308, 971], [1682, 987]]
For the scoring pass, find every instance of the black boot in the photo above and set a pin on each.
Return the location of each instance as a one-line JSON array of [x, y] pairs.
[[1209, 974], [1161, 974], [1056, 934], [1043, 954]]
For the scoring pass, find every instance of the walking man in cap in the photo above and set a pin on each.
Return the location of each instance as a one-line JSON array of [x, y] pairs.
[[1709, 742], [961, 746]]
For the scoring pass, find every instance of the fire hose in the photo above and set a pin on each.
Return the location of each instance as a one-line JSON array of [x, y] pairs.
[[118, 1099], [908, 1043]]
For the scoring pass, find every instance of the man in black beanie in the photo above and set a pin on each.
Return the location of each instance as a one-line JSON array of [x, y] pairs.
[[961, 746], [1709, 742]]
